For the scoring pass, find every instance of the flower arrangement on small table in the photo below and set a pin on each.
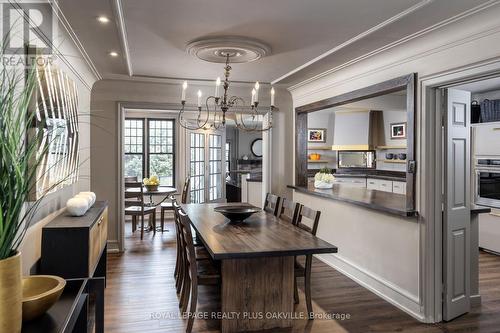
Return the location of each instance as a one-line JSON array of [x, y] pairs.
[[151, 183], [324, 178]]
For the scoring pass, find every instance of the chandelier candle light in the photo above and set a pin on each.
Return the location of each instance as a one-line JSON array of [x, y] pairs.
[[217, 106]]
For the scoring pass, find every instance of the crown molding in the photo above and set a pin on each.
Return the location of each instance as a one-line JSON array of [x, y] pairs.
[[403, 40], [74, 38], [120, 23], [356, 38]]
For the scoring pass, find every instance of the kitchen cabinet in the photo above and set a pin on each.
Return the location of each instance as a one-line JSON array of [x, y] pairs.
[[386, 185], [486, 138], [351, 181], [489, 231], [399, 187]]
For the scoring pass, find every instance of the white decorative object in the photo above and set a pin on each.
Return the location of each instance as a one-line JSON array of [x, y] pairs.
[[92, 195], [86, 197], [323, 180], [77, 206]]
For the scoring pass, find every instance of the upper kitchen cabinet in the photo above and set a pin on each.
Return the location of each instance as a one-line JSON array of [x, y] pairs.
[[486, 138]]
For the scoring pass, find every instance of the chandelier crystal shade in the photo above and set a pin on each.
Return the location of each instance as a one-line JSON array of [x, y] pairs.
[[213, 113]]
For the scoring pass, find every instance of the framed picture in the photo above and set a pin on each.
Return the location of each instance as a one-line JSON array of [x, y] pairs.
[[316, 135], [398, 131]]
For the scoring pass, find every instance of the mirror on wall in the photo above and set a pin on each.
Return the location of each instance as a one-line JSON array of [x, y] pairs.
[[256, 147]]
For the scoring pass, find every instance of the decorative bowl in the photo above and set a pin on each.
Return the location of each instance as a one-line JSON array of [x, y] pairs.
[[389, 156], [315, 157], [152, 188], [40, 292], [237, 213], [402, 156]]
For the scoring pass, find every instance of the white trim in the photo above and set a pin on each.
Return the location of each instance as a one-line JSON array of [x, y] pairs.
[[113, 246], [384, 289], [362, 35], [123, 35], [403, 40]]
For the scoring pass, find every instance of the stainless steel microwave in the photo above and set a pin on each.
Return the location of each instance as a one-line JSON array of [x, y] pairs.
[[488, 182], [356, 159]]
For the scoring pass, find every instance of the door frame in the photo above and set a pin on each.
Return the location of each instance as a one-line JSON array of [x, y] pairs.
[[431, 164]]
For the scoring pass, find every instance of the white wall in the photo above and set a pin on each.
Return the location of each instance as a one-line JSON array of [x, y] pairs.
[[381, 242], [322, 119]]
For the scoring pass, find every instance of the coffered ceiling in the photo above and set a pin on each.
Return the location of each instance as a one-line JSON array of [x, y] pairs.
[[306, 37]]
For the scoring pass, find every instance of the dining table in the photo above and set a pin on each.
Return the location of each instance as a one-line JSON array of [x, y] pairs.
[[163, 191], [257, 259]]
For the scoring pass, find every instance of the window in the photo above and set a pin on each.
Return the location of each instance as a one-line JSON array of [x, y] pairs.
[[215, 166], [150, 150], [228, 156], [197, 167]]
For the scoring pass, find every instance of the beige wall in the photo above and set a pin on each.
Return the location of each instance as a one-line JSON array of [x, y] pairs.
[[104, 133], [386, 253]]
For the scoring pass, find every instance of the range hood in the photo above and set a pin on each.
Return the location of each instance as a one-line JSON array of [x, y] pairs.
[[357, 130]]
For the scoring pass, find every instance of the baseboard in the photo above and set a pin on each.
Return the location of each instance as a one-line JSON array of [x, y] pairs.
[[381, 287], [475, 301], [113, 246]]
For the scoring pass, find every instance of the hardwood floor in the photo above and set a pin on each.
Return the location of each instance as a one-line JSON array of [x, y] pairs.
[[141, 297]]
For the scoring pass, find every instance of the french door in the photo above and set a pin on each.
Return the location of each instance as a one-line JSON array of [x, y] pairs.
[[206, 160]]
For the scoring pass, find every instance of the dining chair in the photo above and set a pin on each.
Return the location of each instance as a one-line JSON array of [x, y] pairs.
[[130, 179], [167, 206], [306, 213], [201, 252], [135, 208], [289, 211], [198, 272], [272, 203]]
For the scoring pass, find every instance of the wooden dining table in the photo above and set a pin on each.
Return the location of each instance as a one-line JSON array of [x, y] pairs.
[[257, 265]]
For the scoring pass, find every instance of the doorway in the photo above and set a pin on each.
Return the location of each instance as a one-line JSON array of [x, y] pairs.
[[465, 135]]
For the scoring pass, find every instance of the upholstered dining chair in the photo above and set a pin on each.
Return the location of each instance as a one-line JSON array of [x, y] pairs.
[[272, 203], [167, 206], [197, 272], [313, 216], [137, 208]]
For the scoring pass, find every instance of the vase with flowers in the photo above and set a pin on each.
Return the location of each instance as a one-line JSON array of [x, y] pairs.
[[324, 178]]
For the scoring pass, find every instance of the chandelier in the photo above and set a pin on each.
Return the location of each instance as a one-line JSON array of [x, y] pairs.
[[213, 113]]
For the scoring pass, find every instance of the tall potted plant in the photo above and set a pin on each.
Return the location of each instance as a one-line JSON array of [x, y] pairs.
[[19, 161]]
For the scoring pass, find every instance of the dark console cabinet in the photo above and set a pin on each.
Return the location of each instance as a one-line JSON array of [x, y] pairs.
[[75, 247]]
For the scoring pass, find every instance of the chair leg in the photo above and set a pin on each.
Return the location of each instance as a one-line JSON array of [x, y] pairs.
[[180, 276], [185, 291], [134, 223], [142, 227], [153, 222], [295, 290], [308, 286], [192, 308], [162, 218]]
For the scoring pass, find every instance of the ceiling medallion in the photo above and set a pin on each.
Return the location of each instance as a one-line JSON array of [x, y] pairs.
[[239, 49], [228, 50]]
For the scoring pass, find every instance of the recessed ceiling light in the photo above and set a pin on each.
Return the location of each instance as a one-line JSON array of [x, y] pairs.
[[103, 19], [113, 54]]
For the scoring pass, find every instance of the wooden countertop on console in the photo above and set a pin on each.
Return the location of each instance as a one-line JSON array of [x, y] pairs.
[[391, 203]]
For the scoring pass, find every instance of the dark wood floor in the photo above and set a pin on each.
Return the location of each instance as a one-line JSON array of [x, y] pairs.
[[140, 297]]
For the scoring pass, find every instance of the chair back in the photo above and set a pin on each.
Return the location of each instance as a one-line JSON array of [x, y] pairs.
[[311, 215], [272, 203], [130, 179], [185, 190], [187, 239], [134, 190], [289, 211]]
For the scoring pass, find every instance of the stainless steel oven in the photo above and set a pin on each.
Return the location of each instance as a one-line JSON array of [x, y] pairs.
[[356, 159], [488, 182]]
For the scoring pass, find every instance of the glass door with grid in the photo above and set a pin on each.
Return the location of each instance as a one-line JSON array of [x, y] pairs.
[[206, 158]]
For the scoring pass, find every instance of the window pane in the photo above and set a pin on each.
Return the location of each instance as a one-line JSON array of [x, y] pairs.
[[161, 150], [133, 166], [162, 165]]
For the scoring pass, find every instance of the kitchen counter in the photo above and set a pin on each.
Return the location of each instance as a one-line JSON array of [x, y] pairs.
[[391, 203]]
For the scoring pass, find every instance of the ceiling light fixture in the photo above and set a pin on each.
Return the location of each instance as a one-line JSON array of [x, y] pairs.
[[113, 54], [213, 114], [103, 19]]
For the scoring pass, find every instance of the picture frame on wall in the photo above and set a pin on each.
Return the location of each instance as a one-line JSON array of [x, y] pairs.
[[316, 134], [398, 130]]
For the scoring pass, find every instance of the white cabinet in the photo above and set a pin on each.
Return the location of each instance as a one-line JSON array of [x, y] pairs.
[[399, 187], [350, 181], [489, 230], [486, 138], [386, 185]]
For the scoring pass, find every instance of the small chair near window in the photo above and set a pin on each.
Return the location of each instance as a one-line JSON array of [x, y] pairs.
[[130, 179], [135, 208], [168, 206], [305, 271], [272, 204]]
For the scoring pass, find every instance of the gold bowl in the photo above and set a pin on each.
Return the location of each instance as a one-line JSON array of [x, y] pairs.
[[40, 292]]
